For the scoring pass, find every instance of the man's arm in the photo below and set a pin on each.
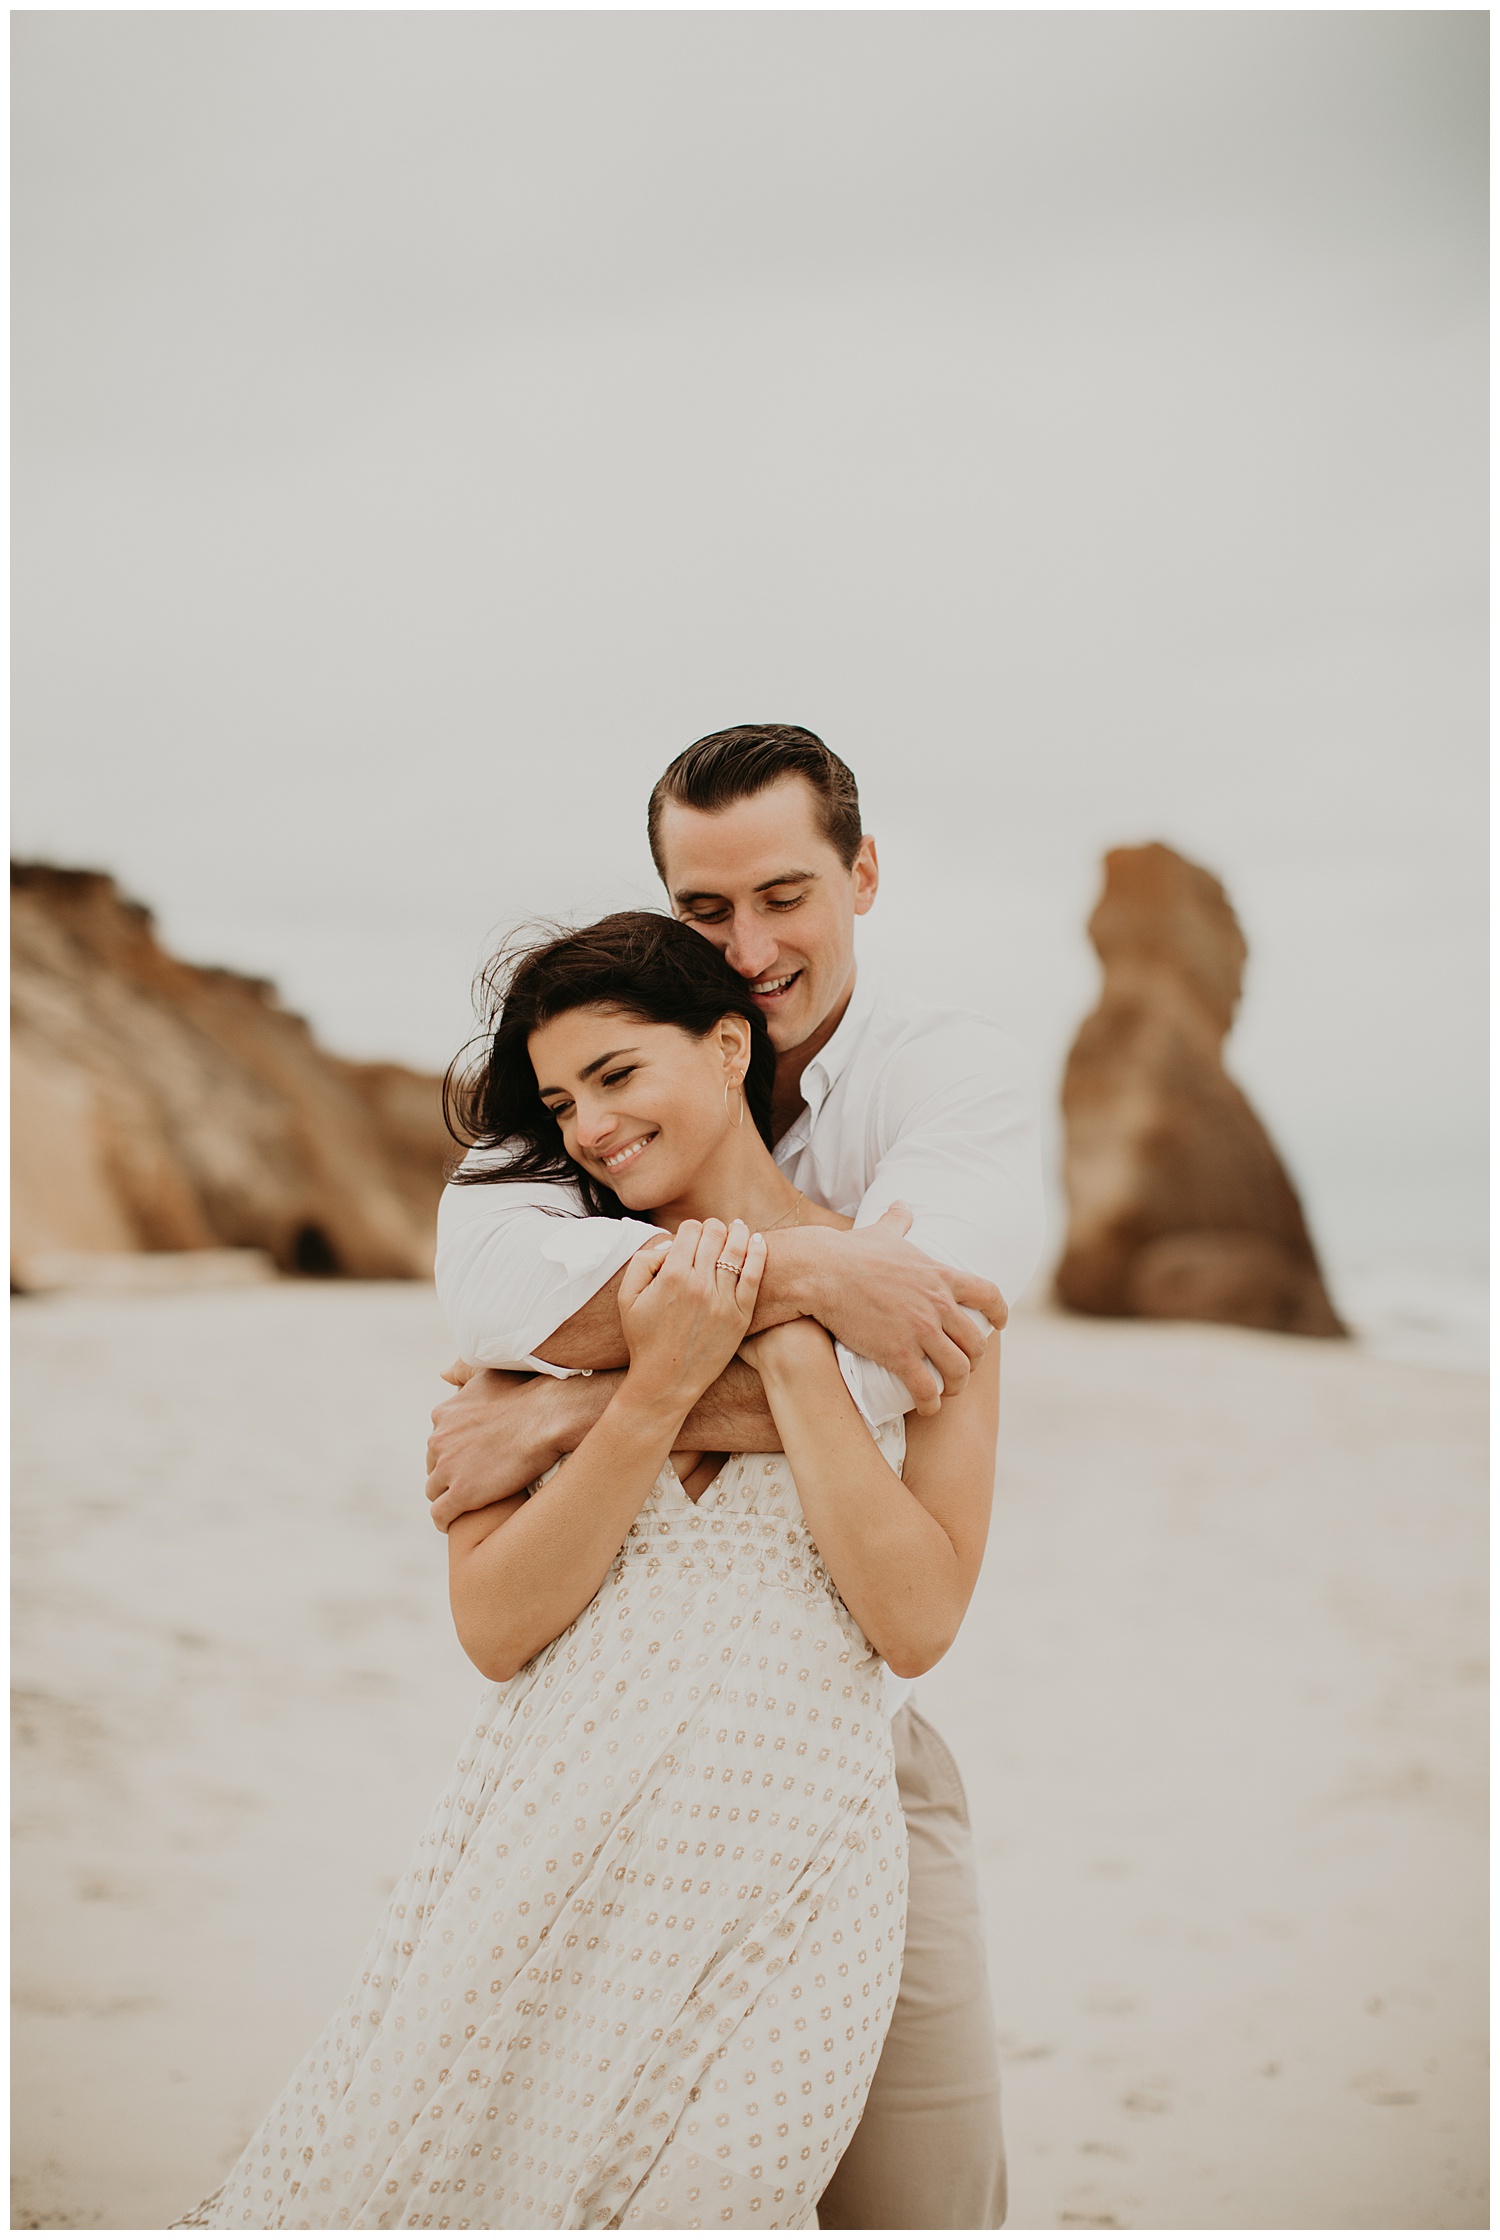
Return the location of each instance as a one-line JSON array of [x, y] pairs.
[[499, 1431], [528, 1284], [958, 1135], [878, 1295], [896, 1312], [516, 1259], [955, 1120]]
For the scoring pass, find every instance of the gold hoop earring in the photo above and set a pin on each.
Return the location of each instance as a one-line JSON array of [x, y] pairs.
[[729, 1116]]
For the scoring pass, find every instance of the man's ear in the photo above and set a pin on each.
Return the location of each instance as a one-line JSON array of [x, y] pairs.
[[864, 871]]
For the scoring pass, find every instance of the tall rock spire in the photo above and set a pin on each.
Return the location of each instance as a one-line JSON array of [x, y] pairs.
[[1179, 1207]]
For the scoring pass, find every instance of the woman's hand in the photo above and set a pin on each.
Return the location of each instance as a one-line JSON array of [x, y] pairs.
[[685, 1306]]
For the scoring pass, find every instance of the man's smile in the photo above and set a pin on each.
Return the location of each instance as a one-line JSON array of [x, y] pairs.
[[612, 1161], [770, 991]]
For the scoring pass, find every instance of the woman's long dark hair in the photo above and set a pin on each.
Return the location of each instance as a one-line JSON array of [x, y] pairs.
[[646, 965]]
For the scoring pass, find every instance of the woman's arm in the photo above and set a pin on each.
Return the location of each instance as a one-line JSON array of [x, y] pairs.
[[903, 1552], [884, 1299], [520, 1571]]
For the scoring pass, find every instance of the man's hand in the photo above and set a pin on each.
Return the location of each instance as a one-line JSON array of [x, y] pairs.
[[499, 1433], [887, 1300]]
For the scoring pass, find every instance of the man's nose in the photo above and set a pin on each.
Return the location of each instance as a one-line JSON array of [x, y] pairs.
[[751, 947]]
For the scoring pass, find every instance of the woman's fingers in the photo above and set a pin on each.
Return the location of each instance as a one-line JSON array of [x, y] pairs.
[[710, 1247], [640, 1268], [727, 1260], [740, 1266], [730, 1257], [751, 1271], [686, 1241]]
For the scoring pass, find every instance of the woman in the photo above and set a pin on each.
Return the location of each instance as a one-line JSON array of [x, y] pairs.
[[641, 1968]]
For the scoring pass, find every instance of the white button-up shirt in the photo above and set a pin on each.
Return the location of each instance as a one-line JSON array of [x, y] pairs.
[[937, 1110]]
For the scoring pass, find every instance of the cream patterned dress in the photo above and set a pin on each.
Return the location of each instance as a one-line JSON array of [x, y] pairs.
[[641, 1967]]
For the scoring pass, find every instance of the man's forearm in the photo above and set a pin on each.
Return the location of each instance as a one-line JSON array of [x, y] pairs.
[[592, 1338], [882, 1298], [732, 1416], [792, 1285]]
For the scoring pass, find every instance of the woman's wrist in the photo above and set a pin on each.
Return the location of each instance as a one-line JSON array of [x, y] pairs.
[[792, 1349], [650, 1406]]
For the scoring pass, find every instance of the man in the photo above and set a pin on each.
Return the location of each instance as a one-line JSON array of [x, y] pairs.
[[920, 1126]]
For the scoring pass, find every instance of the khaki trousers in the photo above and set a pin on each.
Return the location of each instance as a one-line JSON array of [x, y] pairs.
[[928, 2153]]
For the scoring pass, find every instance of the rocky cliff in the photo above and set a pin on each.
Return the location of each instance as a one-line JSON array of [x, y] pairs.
[[159, 1106], [1178, 1205]]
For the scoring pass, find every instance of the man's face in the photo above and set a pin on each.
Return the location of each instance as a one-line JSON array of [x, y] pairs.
[[766, 886]]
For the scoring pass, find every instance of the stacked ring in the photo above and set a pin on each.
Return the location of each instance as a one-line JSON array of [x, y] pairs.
[[729, 1264]]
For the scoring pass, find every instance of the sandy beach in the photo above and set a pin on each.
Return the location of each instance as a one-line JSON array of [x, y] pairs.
[[1219, 1704]]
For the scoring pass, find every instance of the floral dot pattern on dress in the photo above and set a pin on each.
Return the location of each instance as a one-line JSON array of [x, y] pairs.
[[640, 1969]]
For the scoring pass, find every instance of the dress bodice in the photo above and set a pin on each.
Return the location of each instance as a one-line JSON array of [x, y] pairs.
[[750, 1513]]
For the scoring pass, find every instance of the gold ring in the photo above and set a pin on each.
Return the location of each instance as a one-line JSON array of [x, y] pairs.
[[729, 1264]]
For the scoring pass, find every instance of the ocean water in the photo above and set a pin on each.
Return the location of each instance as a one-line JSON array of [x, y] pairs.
[[1429, 1312], [1401, 1241]]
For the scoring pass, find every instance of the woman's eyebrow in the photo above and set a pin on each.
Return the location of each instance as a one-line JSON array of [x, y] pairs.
[[585, 1073]]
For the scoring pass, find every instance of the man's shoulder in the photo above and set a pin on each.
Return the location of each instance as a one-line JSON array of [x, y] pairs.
[[952, 1034]]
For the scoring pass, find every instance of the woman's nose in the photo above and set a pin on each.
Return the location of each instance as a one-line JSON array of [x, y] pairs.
[[593, 1126]]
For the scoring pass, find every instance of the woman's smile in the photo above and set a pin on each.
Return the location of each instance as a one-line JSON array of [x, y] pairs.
[[657, 1113], [613, 1161]]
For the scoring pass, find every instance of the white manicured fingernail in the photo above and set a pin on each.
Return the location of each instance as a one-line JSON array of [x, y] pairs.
[[757, 1238]]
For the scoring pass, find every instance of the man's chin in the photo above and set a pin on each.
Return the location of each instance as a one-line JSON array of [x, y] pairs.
[[787, 1028]]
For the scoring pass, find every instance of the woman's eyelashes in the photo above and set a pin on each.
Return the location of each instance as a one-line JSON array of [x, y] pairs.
[[564, 1110]]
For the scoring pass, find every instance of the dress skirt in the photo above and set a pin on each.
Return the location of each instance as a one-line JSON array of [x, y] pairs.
[[640, 1969]]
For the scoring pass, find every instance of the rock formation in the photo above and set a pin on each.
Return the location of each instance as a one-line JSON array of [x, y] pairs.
[[1178, 1204], [165, 1107]]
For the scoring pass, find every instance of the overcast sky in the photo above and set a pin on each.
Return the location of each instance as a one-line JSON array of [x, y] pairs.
[[428, 424]]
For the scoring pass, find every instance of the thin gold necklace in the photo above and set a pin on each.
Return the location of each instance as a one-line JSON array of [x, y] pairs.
[[782, 1219]]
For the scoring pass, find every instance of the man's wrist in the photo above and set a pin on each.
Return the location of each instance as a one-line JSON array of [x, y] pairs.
[[795, 1281], [574, 1405]]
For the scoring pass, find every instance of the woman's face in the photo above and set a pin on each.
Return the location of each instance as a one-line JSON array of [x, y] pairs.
[[641, 1106]]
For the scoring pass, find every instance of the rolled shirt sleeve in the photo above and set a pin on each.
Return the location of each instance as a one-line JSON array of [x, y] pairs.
[[515, 1260]]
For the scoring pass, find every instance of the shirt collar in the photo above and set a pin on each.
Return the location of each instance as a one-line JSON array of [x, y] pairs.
[[820, 1073]]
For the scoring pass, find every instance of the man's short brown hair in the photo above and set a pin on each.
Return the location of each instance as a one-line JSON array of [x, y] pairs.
[[731, 765]]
